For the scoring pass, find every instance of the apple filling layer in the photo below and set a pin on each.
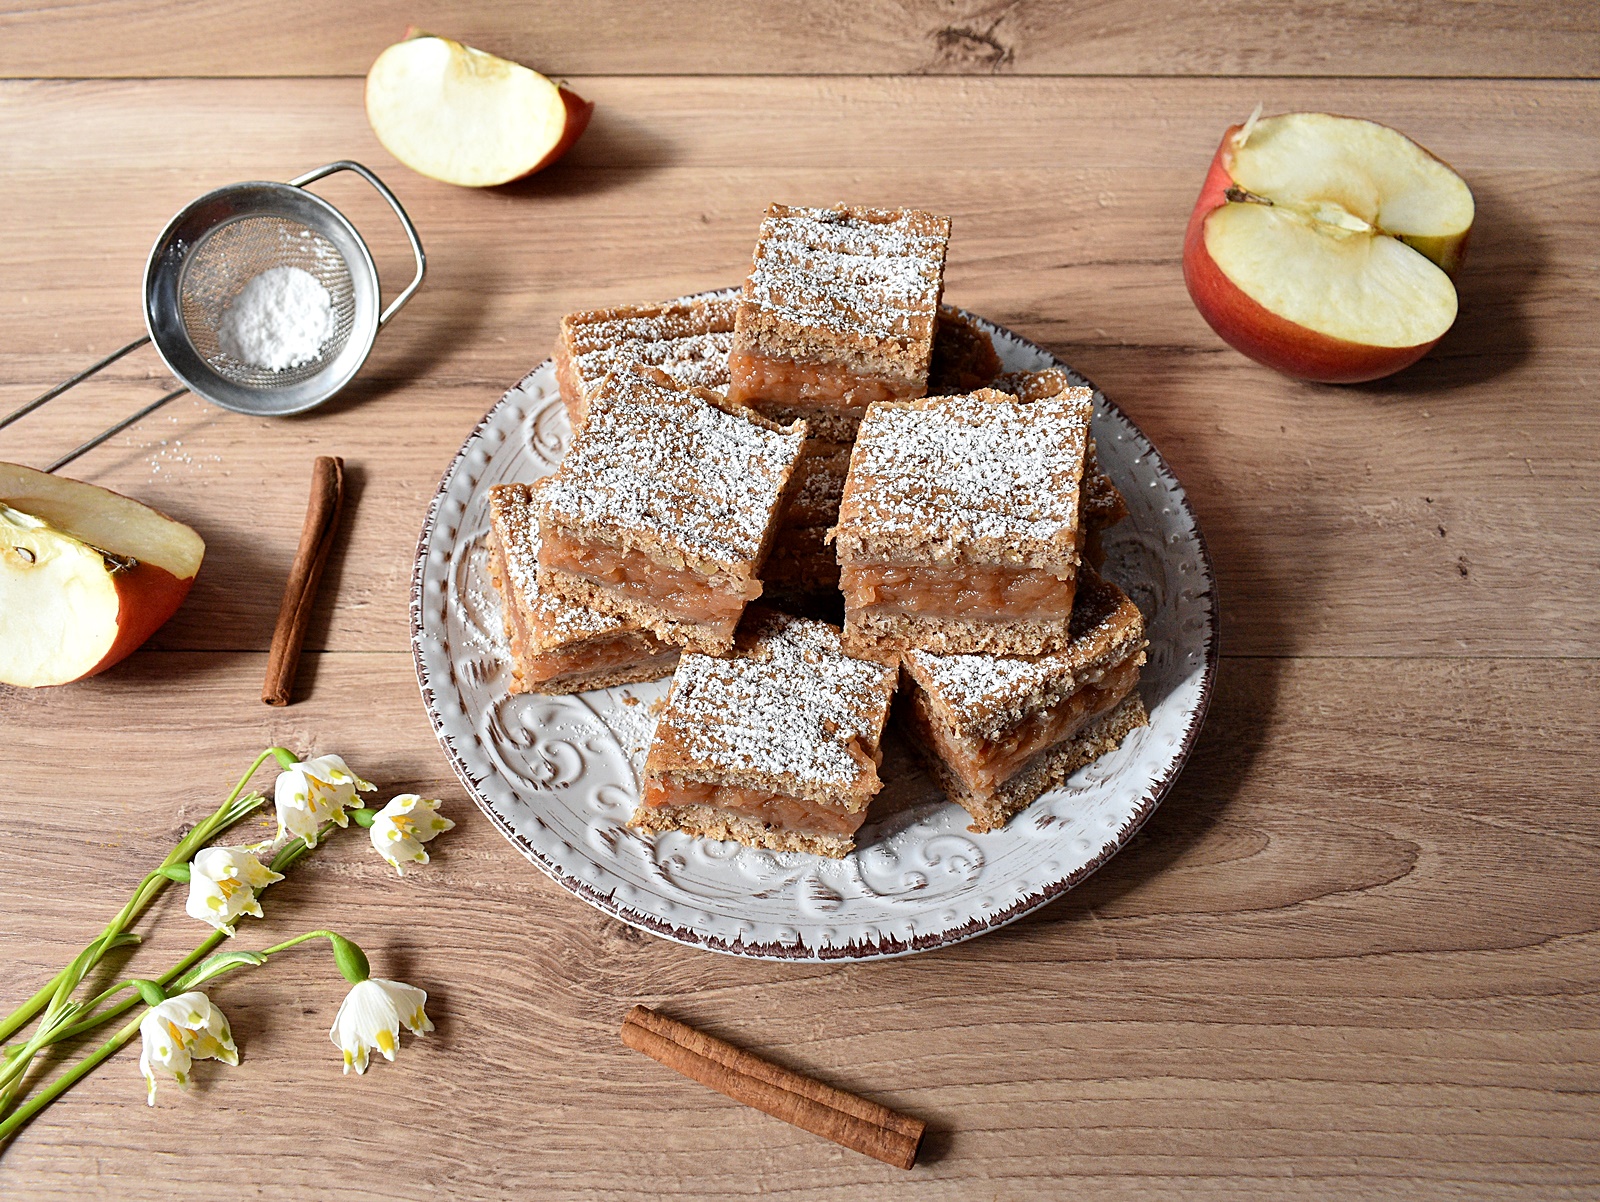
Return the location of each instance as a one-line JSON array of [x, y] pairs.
[[681, 593], [963, 592], [781, 811], [754, 377], [983, 765], [597, 657]]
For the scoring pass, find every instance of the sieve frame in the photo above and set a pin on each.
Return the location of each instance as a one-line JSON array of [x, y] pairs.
[[291, 201]]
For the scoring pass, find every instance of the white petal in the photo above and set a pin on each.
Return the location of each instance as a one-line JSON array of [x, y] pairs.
[[367, 1019], [408, 1002]]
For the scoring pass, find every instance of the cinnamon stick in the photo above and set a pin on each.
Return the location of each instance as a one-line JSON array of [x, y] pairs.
[[300, 593], [806, 1103]]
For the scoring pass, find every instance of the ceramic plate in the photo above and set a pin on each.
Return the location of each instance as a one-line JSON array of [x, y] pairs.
[[559, 775]]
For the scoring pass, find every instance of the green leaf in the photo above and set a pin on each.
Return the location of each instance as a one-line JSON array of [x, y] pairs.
[[215, 966], [352, 961]]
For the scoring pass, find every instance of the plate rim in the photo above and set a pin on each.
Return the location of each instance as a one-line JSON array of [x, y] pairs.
[[890, 947]]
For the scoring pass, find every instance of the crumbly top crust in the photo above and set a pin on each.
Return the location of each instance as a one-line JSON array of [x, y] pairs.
[[853, 285], [790, 712], [1102, 503], [679, 474], [688, 340], [553, 621], [981, 479], [981, 696], [1033, 386]]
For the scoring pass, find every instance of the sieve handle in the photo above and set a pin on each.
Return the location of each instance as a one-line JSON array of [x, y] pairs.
[[405, 221]]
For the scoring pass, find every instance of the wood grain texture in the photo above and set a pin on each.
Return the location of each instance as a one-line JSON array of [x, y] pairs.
[[1356, 954], [823, 37]]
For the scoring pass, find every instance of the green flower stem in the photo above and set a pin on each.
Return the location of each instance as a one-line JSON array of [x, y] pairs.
[[343, 949], [25, 1113], [90, 1018], [60, 987]]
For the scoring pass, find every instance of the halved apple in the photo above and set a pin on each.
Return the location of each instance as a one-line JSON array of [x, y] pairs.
[[1324, 246], [459, 115], [86, 576]]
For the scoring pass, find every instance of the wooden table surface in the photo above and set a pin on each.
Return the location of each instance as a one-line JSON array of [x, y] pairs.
[[1356, 953]]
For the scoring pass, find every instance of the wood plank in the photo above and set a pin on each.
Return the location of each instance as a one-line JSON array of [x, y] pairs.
[[1386, 519], [1314, 974], [834, 37]]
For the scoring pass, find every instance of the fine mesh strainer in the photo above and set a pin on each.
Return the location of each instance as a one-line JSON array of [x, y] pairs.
[[203, 260]]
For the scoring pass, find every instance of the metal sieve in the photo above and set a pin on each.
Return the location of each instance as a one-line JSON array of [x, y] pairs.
[[204, 259]]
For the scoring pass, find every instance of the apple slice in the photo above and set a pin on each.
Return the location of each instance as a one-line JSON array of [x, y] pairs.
[[459, 115], [1324, 246], [86, 576]]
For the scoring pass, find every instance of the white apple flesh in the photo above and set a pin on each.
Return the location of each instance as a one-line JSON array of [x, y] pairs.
[[459, 115], [86, 576], [1323, 246]]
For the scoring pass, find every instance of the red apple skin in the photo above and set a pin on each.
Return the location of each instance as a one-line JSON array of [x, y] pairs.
[[1254, 330], [146, 597], [579, 111]]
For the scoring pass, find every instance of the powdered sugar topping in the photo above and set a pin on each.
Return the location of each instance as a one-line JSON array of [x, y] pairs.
[[864, 271], [980, 476], [983, 693], [791, 708], [664, 468], [687, 341]]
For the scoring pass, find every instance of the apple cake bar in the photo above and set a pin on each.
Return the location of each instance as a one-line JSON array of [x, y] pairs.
[[556, 646], [688, 340], [1102, 504], [959, 528], [838, 311], [999, 731], [776, 746], [664, 508]]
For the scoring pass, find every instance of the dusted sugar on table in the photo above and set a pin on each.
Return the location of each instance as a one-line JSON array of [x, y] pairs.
[[558, 646], [959, 530], [999, 731], [664, 508], [776, 746]]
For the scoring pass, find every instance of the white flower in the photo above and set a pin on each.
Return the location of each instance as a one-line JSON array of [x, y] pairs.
[[222, 886], [313, 792], [399, 830], [370, 1017], [180, 1031]]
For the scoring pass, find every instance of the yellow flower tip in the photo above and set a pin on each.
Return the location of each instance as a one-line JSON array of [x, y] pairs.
[[385, 1042]]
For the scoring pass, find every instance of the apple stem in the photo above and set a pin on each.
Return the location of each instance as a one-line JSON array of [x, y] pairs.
[[1240, 195], [1248, 128]]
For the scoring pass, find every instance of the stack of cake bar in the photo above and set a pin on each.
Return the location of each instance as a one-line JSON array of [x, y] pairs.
[[834, 434]]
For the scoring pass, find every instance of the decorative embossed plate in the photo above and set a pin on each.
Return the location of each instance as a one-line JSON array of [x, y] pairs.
[[559, 775]]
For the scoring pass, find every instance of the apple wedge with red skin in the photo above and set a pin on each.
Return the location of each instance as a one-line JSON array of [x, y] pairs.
[[465, 117], [1324, 246], [86, 576]]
